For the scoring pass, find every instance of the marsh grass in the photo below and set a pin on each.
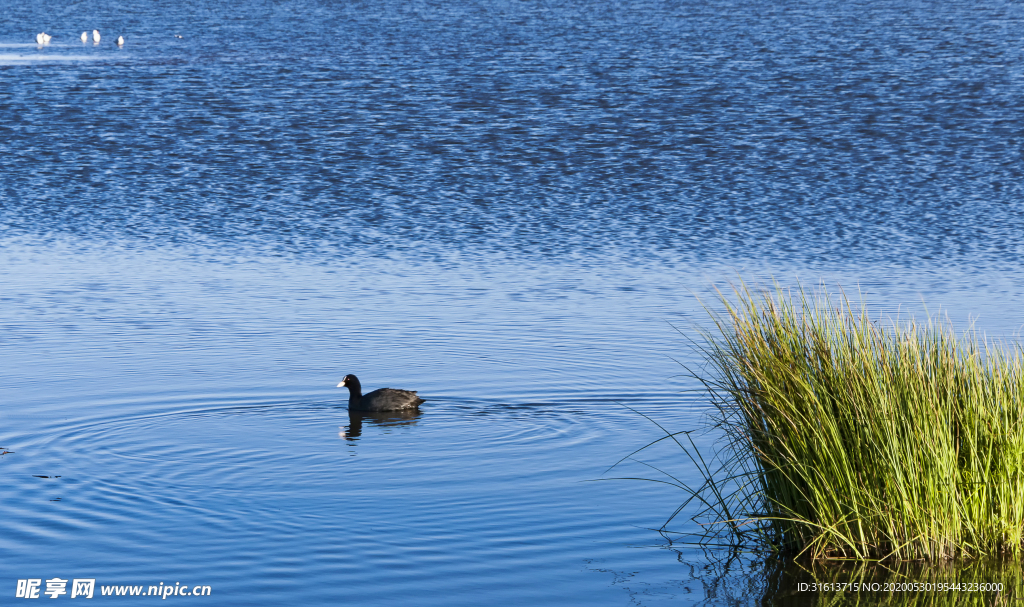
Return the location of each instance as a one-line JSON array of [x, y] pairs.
[[847, 437]]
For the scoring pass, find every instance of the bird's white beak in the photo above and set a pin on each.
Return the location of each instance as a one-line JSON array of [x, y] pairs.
[[341, 385]]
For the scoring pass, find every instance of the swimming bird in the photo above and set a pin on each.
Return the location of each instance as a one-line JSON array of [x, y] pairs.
[[384, 399], [96, 36], [85, 36], [43, 38], [120, 40]]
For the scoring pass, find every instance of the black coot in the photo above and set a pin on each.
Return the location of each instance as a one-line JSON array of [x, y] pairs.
[[384, 399]]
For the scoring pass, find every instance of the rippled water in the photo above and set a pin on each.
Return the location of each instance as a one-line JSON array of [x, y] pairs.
[[502, 205]]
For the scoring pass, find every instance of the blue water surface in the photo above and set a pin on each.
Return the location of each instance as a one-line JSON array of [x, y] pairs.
[[509, 206]]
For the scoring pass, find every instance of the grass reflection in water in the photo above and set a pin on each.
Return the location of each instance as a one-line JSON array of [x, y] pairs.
[[782, 582]]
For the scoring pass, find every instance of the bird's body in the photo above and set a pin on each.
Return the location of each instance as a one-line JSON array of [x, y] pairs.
[[96, 36], [120, 40], [85, 36], [43, 38], [384, 399]]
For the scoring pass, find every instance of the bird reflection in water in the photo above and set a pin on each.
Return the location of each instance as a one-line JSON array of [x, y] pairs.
[[402, 417]]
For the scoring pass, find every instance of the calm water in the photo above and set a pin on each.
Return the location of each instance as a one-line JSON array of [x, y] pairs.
[[502, 205]]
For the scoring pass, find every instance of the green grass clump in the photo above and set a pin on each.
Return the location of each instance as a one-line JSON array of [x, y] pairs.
[[853, 438]]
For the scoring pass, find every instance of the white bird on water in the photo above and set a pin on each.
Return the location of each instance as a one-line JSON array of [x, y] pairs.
[[96, 36], [85, 36], [43, 38], [120, 40]]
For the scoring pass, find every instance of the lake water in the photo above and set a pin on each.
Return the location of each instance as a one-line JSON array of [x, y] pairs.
[[505, 205]]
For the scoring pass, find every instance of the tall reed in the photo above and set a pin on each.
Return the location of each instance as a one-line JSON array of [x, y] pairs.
[[853, 438]]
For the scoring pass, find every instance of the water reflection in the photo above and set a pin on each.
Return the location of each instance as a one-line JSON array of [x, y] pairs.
[[381, 418], [736, 579]]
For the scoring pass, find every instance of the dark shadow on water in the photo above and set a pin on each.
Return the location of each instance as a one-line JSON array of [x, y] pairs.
[[742, 579], [381, 418]]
